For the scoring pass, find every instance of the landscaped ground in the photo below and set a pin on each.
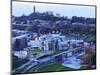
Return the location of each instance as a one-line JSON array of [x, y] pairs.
[[17, 63], [49, 67], [53, 53], [88, 37], [54, 67], [35, 51]]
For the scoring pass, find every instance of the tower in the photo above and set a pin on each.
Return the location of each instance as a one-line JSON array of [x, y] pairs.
[[34, 9]]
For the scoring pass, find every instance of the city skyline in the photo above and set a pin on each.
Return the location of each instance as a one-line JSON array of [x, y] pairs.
[[20, 8]]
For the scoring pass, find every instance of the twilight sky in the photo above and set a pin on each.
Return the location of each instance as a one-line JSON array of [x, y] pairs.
[[18, 8]]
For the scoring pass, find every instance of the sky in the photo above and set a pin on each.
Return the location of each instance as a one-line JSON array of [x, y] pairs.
[[20, 8]]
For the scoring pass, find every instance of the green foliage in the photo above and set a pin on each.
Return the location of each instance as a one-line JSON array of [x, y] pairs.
[[89, 37], [53, 67], [34, 51], [17, 63]]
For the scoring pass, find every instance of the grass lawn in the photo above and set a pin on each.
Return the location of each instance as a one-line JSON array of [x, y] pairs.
[[58, 51], [54, 53], [16, 63], [88, 37], [43, 57], [35, 51], [50, 67], [54, 68]]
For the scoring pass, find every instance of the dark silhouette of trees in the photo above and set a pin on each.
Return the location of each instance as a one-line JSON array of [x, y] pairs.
[[83, 20]]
